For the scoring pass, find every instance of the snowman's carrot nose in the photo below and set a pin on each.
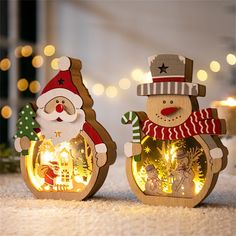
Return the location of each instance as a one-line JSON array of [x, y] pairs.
[[169, 111]]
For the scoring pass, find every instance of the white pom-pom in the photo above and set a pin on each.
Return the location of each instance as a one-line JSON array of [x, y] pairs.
[[64, 63]]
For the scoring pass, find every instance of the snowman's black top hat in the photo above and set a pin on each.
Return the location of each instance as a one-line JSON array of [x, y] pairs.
[[171, 74]]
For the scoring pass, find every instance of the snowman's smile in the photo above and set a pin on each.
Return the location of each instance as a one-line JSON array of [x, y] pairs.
[[168, 119]]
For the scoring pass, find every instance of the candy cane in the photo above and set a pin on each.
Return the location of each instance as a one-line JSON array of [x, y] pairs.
[[131, 117]]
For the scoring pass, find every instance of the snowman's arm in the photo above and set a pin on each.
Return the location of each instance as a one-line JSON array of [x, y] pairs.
[[215, 151], [100, 147]]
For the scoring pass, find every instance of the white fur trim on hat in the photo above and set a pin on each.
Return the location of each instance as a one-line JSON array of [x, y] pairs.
[[46, 97], [64, 63], [101, 148]]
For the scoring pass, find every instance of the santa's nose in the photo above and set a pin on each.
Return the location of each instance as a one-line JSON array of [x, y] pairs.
[[59, 108], [169, 111]]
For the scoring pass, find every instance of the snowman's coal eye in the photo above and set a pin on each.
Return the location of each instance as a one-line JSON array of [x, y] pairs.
[[171, 102], [164, 101], [63, 101], [57, 101]]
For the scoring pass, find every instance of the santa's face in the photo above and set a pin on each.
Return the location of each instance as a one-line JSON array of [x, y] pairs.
[[152, 174], [59, 120], [60, 109], [168, 110]]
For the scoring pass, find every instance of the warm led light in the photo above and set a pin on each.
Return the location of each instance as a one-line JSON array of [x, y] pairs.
[[230, 101], [124, 83], [34, 86], [111, 91], [22, 84], [54, 64], [49, 50], [18, 51], [26, 51], [98, 89], [6, 112], [37, 61], [5, 64], [231, 59], [202, 75], [137, 74], [215, 66]]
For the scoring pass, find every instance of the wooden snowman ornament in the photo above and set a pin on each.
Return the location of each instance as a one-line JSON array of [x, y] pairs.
[[66, 153], [175, 156]]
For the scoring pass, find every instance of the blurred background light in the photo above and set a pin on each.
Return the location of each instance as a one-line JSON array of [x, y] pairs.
[[202, 75], [18, 51], [49, 50], [26, 51], [34, 86], [54, 64], [231, 59], [5, 64], [37, 61], [124, 83], [137, 74], [111, 91], [215, 66], [98, 89], [22, 84], [6, 112]]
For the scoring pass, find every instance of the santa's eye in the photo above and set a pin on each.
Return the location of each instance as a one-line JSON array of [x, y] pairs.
[[164, 101], [171, 102], [63, 101], [57, 101]]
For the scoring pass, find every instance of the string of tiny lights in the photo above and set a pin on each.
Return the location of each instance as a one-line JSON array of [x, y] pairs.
[[98, 89]]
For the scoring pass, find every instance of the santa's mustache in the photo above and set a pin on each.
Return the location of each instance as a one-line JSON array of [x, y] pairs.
[[64, 116]]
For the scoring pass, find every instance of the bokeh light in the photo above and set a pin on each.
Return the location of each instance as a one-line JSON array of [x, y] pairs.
[[6, 112], [18, 51], [202, 75], [98, 89], [49, 50], [37, 61], [26, 51], [5, 64], [34, 86], [54, 64], [124, 83], [111, 91], [215, 66], [231, 59], [22, 84], [137, 74]]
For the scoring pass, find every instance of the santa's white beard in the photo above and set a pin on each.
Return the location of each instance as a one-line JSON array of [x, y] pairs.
[[62, 131]]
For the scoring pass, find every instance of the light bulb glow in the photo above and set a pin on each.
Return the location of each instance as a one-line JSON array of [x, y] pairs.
[[22, 84], [231, 59], [49, 50], [111, 91], [54, 64], [37, 61], [124, 83], [34, 86], [215, 66], [26, 51], [5, 64], [137, 74], [98, 89], [202, 75], [6, 112]]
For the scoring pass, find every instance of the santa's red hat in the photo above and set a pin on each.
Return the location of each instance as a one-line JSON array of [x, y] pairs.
[[61, 85]]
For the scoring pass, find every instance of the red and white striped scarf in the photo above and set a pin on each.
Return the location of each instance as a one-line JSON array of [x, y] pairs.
[[199, 122]]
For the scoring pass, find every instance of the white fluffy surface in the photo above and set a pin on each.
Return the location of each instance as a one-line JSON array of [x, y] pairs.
[[114, 210]]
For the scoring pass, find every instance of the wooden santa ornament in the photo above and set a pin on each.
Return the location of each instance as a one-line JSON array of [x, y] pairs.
[[66, 153], [175, 156]]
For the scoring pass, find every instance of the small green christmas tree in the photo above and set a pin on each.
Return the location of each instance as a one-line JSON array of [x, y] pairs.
[[26, 125]]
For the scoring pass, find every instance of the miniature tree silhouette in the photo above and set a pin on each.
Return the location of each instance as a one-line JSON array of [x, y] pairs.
[[26, 125]]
